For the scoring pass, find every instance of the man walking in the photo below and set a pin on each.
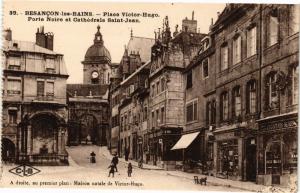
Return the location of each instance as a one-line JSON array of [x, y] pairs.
[[115, 161]]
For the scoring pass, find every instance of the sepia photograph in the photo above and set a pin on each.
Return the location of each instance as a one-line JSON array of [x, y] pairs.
[[150, 96]]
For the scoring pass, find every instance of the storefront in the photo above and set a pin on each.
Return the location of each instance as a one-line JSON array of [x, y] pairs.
[[277, 149], [234, 153]]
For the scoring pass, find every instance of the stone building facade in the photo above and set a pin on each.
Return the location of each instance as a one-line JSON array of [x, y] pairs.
[[34, 113], [255, 100], [88, 102], [128, 79], [170, 56]]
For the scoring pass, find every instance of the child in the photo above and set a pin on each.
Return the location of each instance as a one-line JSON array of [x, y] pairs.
[[129, 169], [111, 170]]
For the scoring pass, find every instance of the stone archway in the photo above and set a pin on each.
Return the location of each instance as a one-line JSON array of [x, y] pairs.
[[8, 150], [88, 128]]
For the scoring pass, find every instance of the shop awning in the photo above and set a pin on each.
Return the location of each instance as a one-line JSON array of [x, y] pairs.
[[185, 141]]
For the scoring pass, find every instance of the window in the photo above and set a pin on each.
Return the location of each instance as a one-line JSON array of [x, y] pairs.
[[272, 97], [237, 49], [213, 112], [294, 19], [251, 97], [295, 75], [224, 57], [224, 106], [273, 30], [157, 87], [125, 123], [145, 113], [162, 115], [237, 108], [13, 87], [14, 63], [153, 90], [208, 113], [50, 89], [40, 88], [162, 84], [192, 111], [157, 117], [189, 79], [153, 119], [251, 41], [12, 116], [205, 68]]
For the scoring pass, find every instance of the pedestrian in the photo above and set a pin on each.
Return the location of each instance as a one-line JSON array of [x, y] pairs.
[[115, 161], [93, 157], [141, 162], [126, 154], [111, 170], [129, 169]]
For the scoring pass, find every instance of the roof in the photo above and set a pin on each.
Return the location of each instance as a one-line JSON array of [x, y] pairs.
[[26, 46], [142, 45], [97, 52], [85, 89], [135, 72]]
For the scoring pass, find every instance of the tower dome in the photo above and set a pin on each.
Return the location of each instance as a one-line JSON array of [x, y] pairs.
[[97, 52]]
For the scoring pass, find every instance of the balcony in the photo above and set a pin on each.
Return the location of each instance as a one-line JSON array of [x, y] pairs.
[[48, 97]]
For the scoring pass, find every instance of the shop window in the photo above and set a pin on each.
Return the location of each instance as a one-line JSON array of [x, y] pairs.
[[205, 68], [271, 92], [251, 97], [189, 79], [224, 57], [273, 28], [12, 116], [228, 158], [13, 87], [237, 105], [251, 41], [237, 51], [224, 106], [294, 19], [191, 111]]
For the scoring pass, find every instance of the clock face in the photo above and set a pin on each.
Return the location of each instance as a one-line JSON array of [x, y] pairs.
[[95, 74]]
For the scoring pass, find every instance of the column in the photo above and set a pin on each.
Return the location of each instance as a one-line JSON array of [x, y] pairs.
[[29, 140], [215, 166], [59, 141], [55, 149]]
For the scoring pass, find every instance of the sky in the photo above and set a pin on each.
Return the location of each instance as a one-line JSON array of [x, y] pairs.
[[72, 39]]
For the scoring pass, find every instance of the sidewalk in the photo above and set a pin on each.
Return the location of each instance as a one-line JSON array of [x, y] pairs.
[[211, 180]]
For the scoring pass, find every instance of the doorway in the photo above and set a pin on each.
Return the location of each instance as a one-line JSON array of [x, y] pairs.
[[251, 160]]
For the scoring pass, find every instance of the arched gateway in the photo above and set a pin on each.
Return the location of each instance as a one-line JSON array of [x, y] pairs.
[[41, 139]]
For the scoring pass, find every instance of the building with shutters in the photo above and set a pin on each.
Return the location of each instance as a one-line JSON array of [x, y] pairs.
[[34, 111]]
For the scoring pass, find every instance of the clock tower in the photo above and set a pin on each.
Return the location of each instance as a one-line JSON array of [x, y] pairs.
[[96, 64]]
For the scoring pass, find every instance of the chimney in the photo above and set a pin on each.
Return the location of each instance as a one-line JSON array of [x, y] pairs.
[[189, 25], [7, 34], [44, 40]]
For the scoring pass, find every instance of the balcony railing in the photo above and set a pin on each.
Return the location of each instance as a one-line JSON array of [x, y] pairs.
[[48, 97]]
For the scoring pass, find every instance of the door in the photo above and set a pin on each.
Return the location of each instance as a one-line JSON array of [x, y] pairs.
[[251, 160]]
